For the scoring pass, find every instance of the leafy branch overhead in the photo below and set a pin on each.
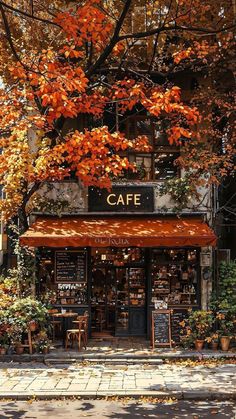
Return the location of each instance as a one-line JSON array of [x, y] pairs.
[[73, 72]]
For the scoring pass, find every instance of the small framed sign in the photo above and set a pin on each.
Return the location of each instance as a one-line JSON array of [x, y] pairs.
[[205, 259]]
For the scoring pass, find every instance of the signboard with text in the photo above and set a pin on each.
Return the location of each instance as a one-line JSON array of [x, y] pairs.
[[71, 266], [121, 199], [161, 328]]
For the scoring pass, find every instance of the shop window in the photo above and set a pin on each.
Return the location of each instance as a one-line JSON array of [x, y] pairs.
[[174, 277], [159, 164], [117, 256], [164, 165], [63, 277]]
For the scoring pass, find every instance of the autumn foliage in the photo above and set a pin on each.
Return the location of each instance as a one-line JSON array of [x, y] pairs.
[[58, 87]]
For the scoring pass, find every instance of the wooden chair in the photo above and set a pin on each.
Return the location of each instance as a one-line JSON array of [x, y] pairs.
[[86, 324], [78, 334], [56, 324], [29, 344]]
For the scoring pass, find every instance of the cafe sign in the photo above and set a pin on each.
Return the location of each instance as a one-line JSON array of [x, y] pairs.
[[121, 199]]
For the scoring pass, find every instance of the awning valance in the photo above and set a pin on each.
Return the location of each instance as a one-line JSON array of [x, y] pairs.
[[118, 232]]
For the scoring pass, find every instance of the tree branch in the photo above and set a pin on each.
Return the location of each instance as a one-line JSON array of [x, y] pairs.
[[113, 41], [27, 15], [175, 28], [8, 34]]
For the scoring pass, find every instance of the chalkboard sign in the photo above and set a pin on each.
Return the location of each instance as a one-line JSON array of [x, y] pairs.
[[161, 330], [71, 266], [177, 317]]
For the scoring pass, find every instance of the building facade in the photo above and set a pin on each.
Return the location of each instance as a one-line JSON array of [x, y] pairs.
[[122, 253]]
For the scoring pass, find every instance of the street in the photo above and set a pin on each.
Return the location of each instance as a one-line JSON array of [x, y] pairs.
[[117, 409]]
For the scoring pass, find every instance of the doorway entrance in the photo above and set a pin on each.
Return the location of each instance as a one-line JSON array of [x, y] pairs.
[[103, 301], [118, 292]]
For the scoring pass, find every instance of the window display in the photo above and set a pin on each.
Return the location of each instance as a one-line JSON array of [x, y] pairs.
[[174, 276], [131, 286], [117, 256], [70, 294], [124, 285], [137, 286]]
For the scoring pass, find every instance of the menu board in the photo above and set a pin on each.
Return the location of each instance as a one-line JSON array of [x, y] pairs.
[[71, 266], [161, 330]]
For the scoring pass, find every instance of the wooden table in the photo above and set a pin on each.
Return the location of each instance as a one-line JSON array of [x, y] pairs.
[[64, 316]]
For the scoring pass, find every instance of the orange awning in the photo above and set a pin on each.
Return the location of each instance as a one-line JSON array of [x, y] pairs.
[[118, 232]]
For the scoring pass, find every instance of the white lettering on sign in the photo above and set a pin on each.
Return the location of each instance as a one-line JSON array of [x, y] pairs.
[[112, 242], [137, 199], [130, 198], [109, 199]]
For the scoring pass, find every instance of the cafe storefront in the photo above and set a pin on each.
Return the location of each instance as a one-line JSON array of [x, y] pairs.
[[119, 265]]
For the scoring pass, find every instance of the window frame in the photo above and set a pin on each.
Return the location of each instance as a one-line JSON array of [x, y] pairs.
[[165, 148]]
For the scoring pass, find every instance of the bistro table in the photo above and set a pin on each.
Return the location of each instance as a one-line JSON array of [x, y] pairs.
[[64, 316]]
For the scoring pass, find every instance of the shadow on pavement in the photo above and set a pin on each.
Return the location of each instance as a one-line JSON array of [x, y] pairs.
[[117, 409]]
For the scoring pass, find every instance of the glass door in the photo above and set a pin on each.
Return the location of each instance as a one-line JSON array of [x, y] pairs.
[[118, 294], [103, 300], [122, 301], [131, 301]]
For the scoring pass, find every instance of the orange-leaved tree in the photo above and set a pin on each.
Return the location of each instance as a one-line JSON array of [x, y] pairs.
[[72, 70]]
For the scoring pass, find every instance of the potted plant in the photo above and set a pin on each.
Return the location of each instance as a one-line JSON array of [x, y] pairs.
[[41, 342], [200, 323], [15, 331], [186, 338], [19, 348], [213, 340], [28, 313], [226, 328], [4, 343], [33, 325], [3, 349], [4, 338], [31, 311]]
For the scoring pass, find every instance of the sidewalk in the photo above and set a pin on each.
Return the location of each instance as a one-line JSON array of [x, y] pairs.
[[24, 381], [118, 351]]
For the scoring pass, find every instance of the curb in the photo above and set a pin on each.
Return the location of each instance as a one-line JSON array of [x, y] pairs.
[[117, 359], [178, 395]]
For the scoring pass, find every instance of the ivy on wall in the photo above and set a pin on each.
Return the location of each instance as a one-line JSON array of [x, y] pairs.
[[181, 190]]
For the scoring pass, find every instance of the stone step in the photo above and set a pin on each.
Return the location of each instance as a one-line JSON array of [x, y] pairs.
[[152, 358]]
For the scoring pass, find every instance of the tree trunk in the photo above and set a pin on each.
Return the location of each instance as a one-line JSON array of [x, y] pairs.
[[22, 220]]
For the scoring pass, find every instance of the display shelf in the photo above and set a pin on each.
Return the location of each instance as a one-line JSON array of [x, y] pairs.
[[137, 291], [118, 257], [71, 293], [173, 279]]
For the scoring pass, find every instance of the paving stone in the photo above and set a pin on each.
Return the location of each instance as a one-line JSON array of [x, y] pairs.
[[126, 380], [74, 387]]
